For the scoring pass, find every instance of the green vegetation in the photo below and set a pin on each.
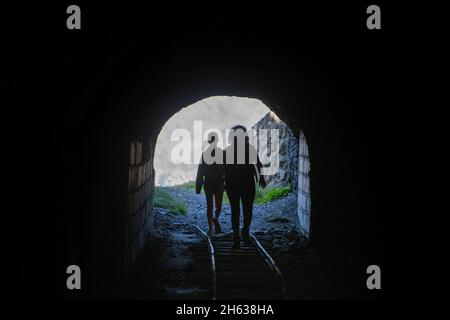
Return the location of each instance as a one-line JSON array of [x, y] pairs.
[[270, 194], [262, 195], [190, 186], [163, 199]]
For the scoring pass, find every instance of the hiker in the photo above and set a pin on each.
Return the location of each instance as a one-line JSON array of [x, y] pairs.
[[210, 175], [242, 166]]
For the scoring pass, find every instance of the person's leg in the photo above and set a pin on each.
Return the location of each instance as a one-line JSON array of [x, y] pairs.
[[209, 209], [218, 197], [234, 198], [248, 198]]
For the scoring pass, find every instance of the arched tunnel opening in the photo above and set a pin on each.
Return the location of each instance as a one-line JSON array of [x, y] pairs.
[[161, 197], [287, 160]]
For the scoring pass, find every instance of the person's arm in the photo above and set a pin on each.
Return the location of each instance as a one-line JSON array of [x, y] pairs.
[[262, 181], [200, 175]]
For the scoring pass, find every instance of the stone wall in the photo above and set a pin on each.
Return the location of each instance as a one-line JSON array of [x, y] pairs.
[[304, 195], [139, 218], [288, 153], [294, 165]]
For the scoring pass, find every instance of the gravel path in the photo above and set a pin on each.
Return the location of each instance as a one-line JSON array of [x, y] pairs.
[[279, 215], [163, 269]]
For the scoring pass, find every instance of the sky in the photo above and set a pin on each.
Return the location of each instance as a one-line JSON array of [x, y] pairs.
[[220, 113]]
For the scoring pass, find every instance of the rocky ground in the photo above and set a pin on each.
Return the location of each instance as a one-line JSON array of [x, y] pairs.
[[163, 270]]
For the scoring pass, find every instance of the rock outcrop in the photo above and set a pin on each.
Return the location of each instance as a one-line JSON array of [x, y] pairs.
[[287, 172]]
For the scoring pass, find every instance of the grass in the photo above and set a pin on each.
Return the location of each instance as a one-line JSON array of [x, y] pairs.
[[270, 194], [163, 199], [190, 186], [262, 195]]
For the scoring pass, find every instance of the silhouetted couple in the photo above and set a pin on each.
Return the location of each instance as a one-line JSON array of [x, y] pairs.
[[234, 169]]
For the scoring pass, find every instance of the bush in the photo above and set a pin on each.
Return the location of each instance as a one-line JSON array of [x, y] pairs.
[[163, 199]]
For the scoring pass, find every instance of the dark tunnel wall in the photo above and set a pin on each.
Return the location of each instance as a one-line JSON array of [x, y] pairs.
[[139, 216], [123, 78]]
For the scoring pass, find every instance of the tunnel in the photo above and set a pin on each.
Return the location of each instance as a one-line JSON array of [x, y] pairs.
[[142, 182], [95, 137]]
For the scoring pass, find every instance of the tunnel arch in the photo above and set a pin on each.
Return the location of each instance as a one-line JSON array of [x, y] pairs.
[[138, 118], [142, 174]]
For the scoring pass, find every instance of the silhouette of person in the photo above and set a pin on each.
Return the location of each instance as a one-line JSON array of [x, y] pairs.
[[242, 165], [210, 175]]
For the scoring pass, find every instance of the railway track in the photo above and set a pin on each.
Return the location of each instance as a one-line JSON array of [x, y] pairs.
[[247, 273]]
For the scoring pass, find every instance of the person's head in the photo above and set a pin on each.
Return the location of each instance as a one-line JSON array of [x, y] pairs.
[[239, 127], [238, 132], [212, 138]]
